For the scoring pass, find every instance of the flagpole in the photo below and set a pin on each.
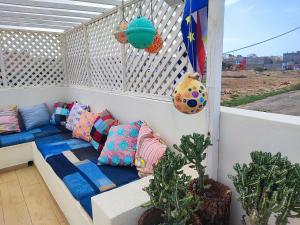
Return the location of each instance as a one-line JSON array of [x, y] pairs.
[[214, 70]]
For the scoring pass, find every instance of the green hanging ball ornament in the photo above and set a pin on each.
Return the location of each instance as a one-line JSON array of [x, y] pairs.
[[140, 33]]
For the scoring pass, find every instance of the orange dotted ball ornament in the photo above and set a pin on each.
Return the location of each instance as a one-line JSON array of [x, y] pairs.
[[120, 32], [156, 46]]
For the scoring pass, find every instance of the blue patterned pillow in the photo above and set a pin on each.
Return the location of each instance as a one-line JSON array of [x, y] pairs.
[[59, 117], [35, 116]]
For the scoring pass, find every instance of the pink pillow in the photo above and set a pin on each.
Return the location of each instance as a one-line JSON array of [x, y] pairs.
[[120, 146], [9, 121], [150, 150], [83, 127]]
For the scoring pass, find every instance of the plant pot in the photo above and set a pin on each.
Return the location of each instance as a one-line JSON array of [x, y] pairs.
[[153, 216], [217, 200]]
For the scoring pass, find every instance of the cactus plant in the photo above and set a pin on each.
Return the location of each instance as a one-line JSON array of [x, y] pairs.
[[168, 190], [269, 184], [193, 148]]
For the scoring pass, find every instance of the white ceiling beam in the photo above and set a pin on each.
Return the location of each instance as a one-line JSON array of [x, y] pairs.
[[35, 29], [41, 16], [39, 21], [53, 5], [104, 2], [36, 25], [39, 10]]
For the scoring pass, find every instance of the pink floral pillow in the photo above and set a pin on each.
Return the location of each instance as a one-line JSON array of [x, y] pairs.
[[120, 146], [150, 150], [83, 127]]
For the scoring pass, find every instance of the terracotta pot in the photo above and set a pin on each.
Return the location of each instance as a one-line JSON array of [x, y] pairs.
[[153, 216], [217, 200]]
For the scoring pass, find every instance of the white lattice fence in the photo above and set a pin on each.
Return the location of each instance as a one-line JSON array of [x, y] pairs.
[[30, 59], [77, 57], [96, 57], [155, 74], [105, 54]]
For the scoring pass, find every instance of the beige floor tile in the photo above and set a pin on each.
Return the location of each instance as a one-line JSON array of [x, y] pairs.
[[16, 214], [27, 176]]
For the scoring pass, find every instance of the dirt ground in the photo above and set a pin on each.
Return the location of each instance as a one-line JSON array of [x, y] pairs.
[[250, 82]]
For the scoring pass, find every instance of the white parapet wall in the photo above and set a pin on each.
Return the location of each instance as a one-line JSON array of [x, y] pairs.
[[160, 114], [23, 97], [243, 131]]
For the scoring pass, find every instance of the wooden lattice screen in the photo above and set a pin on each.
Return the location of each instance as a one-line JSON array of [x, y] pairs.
[[30, 59], [95, 59]]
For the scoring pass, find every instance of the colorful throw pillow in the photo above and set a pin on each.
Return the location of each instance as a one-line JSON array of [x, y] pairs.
[[150, 150], [120, 146], [59, 116], [74, 115], [35, 116], [9, 122], [83, 128], [100, 129], [64, 105]]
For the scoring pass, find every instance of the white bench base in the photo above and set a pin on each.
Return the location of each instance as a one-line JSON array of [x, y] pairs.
[[15, 155]]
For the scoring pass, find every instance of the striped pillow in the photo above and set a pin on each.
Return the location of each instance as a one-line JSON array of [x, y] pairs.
[[150, 150], [9, 122]]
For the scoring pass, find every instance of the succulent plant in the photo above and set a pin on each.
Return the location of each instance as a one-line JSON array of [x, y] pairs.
[[168, 190], [193, 148], [269, 184]]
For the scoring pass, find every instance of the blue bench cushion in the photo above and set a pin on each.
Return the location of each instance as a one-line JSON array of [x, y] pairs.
[[56, 144], [31, 135], [77, 168]]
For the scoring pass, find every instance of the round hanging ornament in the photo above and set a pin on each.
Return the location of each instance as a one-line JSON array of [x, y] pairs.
[[140, 33], [190, 95], [156, 46], [121, 28], [120, 32]]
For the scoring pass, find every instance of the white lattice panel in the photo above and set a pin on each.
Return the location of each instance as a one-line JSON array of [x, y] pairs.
[[155, 74], [31, 59], [95, 58], [77, 57], [105, 54]]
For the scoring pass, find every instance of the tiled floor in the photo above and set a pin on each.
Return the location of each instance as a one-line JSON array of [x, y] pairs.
[[26, 200]]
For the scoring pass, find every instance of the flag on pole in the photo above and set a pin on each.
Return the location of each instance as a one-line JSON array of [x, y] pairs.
[[194, 32]]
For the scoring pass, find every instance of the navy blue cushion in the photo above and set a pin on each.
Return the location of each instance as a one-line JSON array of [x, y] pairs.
[[31, 135], [35, 116]]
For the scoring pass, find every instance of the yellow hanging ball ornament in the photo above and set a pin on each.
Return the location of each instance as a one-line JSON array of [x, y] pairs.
[[190, 95]]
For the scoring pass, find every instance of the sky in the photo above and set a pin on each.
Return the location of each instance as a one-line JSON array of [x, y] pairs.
[[251, 21]]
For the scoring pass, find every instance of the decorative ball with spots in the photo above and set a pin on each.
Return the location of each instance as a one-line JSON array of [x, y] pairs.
[[190, 95]]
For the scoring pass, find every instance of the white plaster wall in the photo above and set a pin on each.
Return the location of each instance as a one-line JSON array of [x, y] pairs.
[[243, 131], [30, 96], [161, 115]]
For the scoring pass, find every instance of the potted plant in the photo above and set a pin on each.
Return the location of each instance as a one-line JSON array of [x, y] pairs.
[[172, 203], [216, 196], [268, 185]]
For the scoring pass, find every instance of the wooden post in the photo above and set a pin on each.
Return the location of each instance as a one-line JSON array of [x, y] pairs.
[[64, 58], [2, 64], [214, 72], [87, 56]]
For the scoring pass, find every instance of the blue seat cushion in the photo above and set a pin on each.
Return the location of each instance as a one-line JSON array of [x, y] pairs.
[[56, 144], [31, 135], [79, 171]]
